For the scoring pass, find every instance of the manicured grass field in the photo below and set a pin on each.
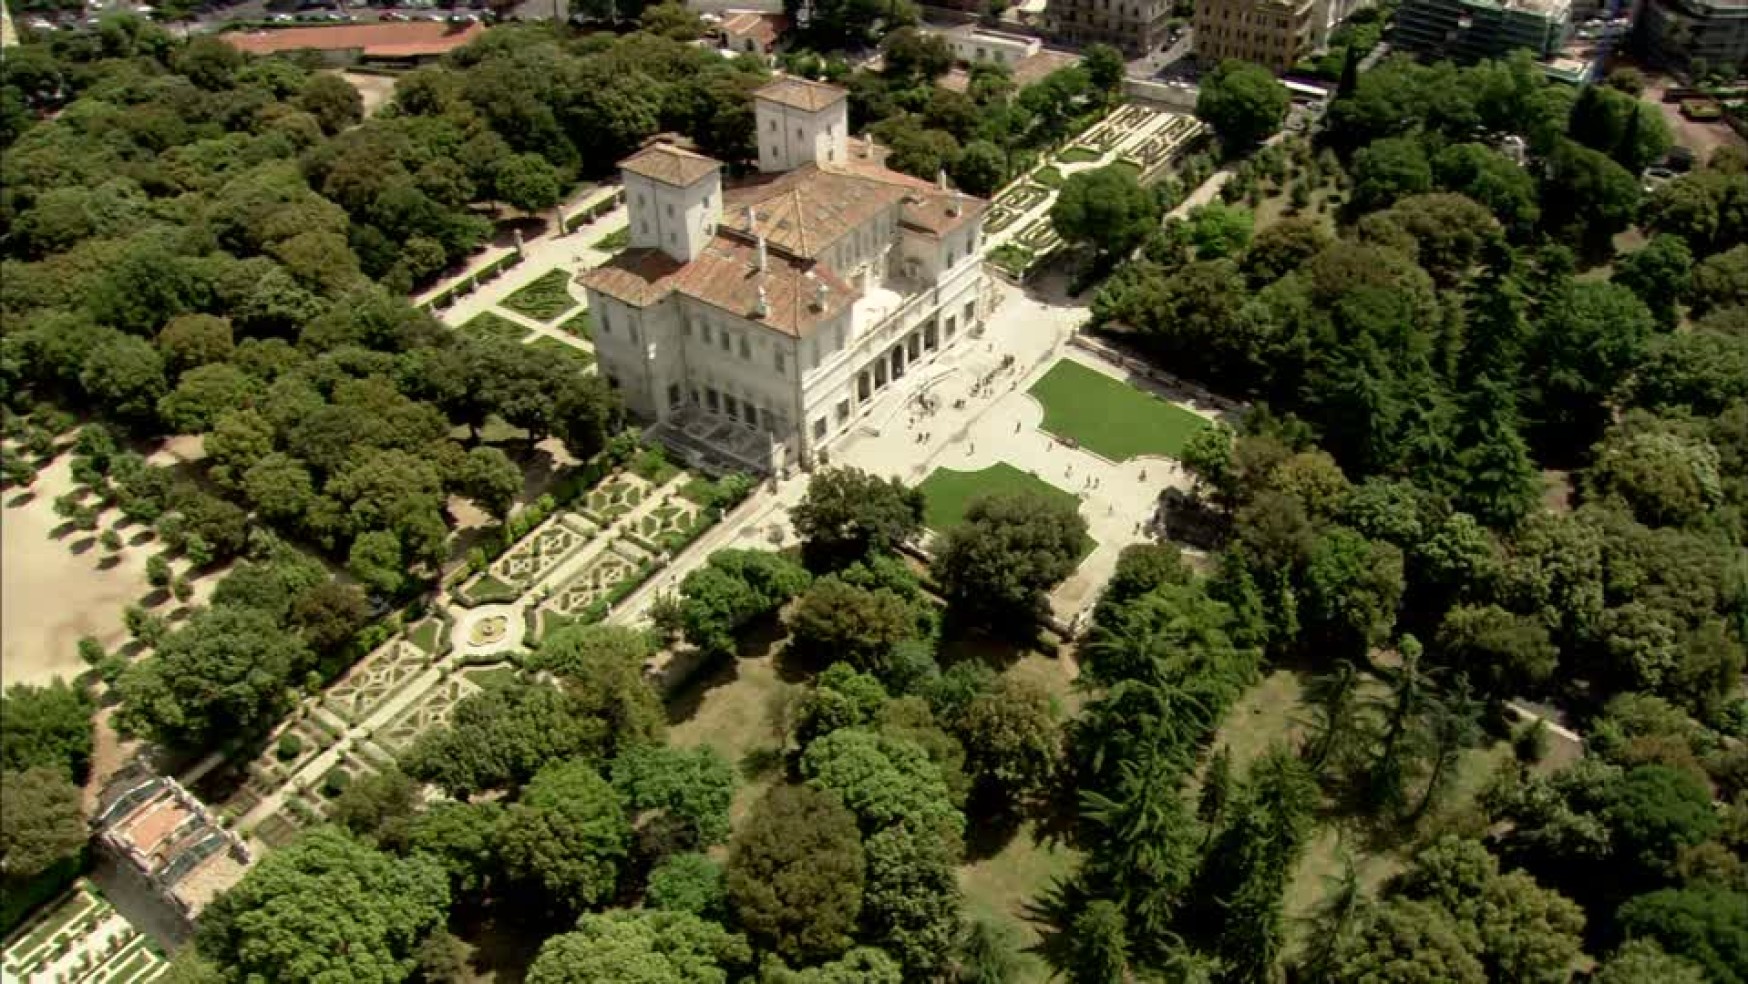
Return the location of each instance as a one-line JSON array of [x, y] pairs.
[[948, 493], [545, 297], [1049, 177], [1078, 155], [1109, 417], [488, 325]]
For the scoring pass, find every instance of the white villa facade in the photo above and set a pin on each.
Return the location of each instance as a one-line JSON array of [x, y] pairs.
[[752, 324]]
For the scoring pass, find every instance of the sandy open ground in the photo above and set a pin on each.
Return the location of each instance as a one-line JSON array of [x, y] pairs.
[[376, 89], [50, 596]]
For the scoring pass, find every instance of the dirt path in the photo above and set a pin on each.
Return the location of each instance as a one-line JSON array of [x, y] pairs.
[[53, 591]]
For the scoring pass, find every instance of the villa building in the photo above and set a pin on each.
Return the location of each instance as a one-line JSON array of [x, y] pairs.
[[168, 840], [751, 324], [1137, 27]]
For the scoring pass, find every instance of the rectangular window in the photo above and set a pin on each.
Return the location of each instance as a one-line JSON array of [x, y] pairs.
[[704, 331], [732, 406], [746, 351], [612, 380], [670, 210], [673, 394], [752, 414], [970, 311], [727, 342], [819, 429], [712, 399], [782, 362], [606, 321], [632, 329], [773, 126], [843, 411]]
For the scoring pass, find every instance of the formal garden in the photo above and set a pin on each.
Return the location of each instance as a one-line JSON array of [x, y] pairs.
[[81, 939], [561, 564], [1139, 139]]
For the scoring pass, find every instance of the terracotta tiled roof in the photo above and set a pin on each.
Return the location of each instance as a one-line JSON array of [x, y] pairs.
[[763, 28], [726, 276], [385, 40], [804, 211], [669, 164], [801, 94]]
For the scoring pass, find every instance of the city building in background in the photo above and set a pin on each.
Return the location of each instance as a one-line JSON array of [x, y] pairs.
[[1271, 33], [1136, 27], [1694, 35], [1467, 31]]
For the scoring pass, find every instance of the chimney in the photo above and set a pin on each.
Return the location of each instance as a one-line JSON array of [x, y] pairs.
[[761, 307], [941, 178], [820, 292], [956, 205], [761, 254], [867, 145]]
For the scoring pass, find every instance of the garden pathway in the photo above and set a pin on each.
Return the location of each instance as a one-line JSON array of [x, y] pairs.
[[572, 251]]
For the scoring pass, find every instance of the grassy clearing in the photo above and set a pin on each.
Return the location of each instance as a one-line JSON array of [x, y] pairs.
[[948, 493], [1079, 155], [545, 297], [729, 709], [1002, 887], [1109, 417], [1049, 177], [487, 324]]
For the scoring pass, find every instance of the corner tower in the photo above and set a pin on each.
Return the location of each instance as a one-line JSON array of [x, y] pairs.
[[800, 122], [674, 198]]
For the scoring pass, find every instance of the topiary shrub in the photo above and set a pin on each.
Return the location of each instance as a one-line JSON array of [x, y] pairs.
[[290, 746], [335, 782]]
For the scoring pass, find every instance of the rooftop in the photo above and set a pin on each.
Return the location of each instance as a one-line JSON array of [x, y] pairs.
[[761, 27], [1025, 71], [801, 94], [726, 275], [804, 211], [406, 39], [669, 165]]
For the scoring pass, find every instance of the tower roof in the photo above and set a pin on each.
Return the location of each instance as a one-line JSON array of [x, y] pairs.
[[801, 94], [670, 165]]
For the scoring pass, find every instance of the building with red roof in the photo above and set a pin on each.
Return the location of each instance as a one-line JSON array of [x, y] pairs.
[[409, 41]]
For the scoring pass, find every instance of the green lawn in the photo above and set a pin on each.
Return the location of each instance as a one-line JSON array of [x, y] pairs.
[[1001, 889], [488, 325], [545, 297], [948, 493], [1049, 177], [1079, 155], [1109, 417]]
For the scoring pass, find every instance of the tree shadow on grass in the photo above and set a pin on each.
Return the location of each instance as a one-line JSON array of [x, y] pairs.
[[24, 498], [83, 546], [158, 596], [141, 538], [109, 562]]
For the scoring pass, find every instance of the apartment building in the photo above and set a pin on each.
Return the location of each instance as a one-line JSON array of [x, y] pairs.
[[1272, 33], [1471, 30], [1683, 33], [1136, 27]]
